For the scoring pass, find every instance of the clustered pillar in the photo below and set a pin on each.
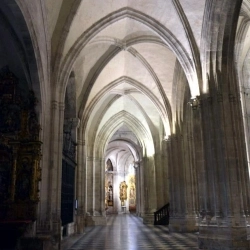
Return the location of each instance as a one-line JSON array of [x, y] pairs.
[[182, 183], [224, 195]]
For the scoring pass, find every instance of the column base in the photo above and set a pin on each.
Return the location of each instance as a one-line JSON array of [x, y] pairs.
[[183, 225], [38, 243], [47, 236], [148, 219], [223, 238], [80, 224], [68, 230], [96, 221], [9, 236]]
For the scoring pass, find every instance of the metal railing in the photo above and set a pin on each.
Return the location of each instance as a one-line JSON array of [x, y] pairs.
[[162, 216]]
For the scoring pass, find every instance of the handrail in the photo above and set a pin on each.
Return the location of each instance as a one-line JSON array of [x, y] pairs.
[[162, 216]]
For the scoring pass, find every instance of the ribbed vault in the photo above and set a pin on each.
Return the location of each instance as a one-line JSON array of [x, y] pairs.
[[104, 135], [123, 150], [141, 108], [167, 37], [133, 65], [126, 63], [126, 58]]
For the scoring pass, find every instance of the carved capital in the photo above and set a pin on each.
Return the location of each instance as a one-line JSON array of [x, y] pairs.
[[168, 140], [81, 142], [232, 98], [219, 97], [61, 106], [54, 105], [194, 102]]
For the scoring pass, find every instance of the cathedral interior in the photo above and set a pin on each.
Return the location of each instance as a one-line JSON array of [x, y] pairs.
[[124, 107]]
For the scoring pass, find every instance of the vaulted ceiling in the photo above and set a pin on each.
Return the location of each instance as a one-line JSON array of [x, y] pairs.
[[133, 58], [131, 66]]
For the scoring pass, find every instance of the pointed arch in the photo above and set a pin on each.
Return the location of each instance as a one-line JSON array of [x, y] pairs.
[[109, 165], [104, 62], [63, 68], [133, 147], [21, 34], [102, 138], [39, 63], [167, 118]]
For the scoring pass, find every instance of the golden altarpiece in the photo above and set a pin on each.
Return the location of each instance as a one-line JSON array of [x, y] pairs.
[[20, 153], [123, 192]]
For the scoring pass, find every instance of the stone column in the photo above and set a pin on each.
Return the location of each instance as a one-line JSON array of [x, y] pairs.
[[99, 187], [150, 199], [245, 97], [138, 186], [49, 227], [177, 186], [165, 171], [199, 161], [190, 174], [116, 200], [89, 186], [95, 192], [56, 177], [191, 215], [172, 198], [141, 189], [43, 223], [182, 179], [225, 223], [225, 216], [80, 186], [160, 180]]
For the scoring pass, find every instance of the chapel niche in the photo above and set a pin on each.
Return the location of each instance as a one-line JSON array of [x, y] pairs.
[[20, 151], [109, 199]]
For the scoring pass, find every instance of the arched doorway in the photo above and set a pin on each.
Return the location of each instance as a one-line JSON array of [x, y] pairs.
[[120, 175]]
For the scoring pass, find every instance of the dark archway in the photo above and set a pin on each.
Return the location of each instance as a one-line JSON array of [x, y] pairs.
[[20, 105], [68, 200]]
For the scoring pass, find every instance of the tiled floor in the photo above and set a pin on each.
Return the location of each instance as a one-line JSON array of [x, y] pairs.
[[127, 232]]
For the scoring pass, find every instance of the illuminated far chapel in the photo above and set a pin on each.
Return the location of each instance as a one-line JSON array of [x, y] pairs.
[[124, 107]]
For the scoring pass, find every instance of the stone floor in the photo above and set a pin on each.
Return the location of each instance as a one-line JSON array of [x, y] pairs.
[[127, 232]]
